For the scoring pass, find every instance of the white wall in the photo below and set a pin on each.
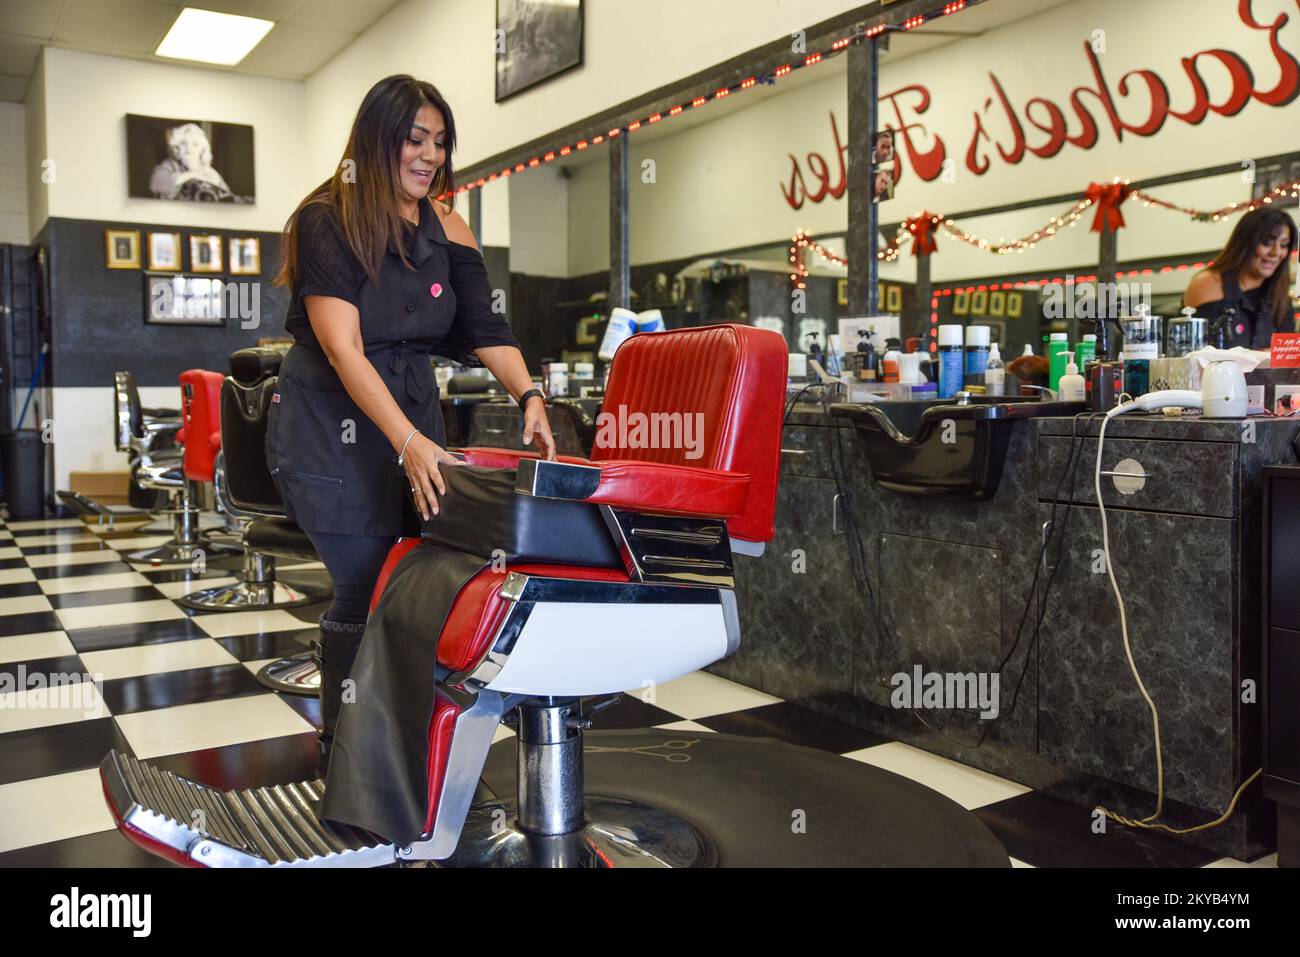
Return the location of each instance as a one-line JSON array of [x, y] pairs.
[[495, 209], [630, 48], [13, 173], [82, 420], [34, 110], [539, 223], [87, 98]]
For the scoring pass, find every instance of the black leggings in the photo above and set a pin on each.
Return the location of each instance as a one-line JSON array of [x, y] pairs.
[[353, 562]]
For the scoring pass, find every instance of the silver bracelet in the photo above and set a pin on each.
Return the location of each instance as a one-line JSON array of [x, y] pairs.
[[401, 456]]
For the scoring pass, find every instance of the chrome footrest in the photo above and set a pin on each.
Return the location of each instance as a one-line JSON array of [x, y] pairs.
[[201, 826]]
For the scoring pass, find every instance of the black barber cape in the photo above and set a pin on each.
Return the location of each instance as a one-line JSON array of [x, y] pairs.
[[335, 470], [378, 777]]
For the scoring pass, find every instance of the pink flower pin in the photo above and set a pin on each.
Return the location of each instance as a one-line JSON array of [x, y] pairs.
[[435, 290]]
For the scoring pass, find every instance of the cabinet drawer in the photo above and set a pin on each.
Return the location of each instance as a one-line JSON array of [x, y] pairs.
[[1193, 478], [806, 450], [1283, 757]]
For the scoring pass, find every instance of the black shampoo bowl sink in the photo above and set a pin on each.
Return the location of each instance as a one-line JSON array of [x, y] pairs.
[[939, 448]]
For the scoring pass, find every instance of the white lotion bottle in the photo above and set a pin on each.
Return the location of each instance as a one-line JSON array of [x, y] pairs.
[[1071, 386]]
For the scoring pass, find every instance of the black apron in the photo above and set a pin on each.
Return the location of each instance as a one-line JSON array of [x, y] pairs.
[[334, 468], [1250, 326]]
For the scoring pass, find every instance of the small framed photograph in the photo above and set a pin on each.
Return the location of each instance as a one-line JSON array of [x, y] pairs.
[[245, 256], [175, 300], [893, 298], [979, 303], [961, 303], [164, 252], [882, 147], [122, 248], [1015, 305], [205, 254], [841, 292], [883, 182], [998, 303]]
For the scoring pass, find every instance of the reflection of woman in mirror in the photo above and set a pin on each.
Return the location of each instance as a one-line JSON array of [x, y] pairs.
[[1251, 277], [884, 148]]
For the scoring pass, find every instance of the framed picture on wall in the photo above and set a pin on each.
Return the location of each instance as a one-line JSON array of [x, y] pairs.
[[245, 256], [178, 300], [122, 248], [1015, 305], [998, 303], [196, 161], [164, 252], [894, 299], [979, 303], [961, 303], [205, 254], [841, 292], [535, 41]]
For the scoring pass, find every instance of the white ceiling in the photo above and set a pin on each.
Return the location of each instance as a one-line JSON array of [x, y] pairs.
[[306, 35]]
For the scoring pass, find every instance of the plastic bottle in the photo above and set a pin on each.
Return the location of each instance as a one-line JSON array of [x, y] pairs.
[[1071, 387], [950, 361], [977, 351], [995, 373], [889, 365], [1085, 351], [1058, 353], [1028, 351]]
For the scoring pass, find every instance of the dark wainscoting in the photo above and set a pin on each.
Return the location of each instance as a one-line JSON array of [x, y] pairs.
[[98, 313]]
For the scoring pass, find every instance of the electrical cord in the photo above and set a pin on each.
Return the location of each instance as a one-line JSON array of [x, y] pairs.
[[858, 563], [1150, 822]]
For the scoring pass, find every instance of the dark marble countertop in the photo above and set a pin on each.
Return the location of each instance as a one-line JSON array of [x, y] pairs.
[[1154, 426]]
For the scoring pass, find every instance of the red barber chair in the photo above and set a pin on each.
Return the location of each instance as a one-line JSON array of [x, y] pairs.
[[246, 493], [163, 472], [635, 591]]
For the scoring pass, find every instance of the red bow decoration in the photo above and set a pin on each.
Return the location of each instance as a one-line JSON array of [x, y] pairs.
[[922, 229], [1108, 197]]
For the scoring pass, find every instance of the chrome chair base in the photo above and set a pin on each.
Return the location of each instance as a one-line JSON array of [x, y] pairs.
[[296, 674], [245, 595], [617, 833]]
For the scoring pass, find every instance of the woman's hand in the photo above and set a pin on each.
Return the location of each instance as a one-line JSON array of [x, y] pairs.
[[536, 424], [421, 461]]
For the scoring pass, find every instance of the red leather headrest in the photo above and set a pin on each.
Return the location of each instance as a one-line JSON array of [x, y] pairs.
[[201, 407], [734, 377]]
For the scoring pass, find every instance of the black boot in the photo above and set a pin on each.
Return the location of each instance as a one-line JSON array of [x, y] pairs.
[[334, 655]]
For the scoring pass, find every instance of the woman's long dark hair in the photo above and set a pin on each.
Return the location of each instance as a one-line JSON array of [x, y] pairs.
[[1256, 227], [365, 188]]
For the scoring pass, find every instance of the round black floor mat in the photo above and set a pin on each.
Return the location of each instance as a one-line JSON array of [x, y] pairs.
[[764, 803]]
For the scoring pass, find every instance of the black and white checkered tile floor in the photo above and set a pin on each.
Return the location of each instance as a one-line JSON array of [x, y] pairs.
[[178, 688]]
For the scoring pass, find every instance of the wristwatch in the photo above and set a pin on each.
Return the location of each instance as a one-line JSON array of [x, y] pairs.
[[523, 399]]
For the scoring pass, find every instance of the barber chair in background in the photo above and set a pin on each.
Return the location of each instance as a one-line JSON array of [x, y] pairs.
[[499, 425], [638, 590], [151, 440], [246, 488], [246, 492]]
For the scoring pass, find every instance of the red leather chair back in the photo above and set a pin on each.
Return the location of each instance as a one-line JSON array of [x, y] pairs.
[[201, 407], [735, 377]]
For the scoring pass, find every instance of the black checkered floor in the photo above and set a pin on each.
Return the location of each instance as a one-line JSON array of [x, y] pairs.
[[177, 687]]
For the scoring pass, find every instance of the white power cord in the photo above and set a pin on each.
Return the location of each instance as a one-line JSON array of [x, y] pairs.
[[1128, 648]]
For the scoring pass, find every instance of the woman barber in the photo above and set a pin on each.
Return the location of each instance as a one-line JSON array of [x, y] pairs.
[[382, 276], [1250, 278]]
